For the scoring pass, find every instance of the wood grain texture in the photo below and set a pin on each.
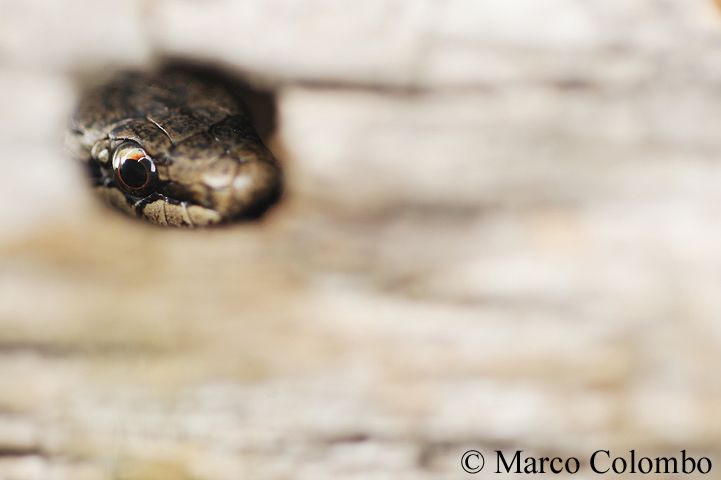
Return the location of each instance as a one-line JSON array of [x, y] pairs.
[[501, 231]]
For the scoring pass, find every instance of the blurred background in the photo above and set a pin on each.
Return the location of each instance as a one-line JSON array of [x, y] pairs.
[[501, 231]]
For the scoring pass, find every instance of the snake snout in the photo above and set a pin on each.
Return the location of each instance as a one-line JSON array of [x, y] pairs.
[[249, 192]]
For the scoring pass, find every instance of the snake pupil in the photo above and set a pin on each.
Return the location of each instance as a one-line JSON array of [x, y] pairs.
[[134, 170], [134, 173]]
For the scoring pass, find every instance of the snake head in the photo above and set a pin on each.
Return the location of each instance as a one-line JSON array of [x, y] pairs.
[[175, 151]]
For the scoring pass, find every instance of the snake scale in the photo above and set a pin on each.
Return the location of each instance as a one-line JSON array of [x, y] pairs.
[[174, 148]]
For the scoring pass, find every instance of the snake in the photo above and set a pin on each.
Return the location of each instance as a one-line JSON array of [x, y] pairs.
[[173, 148]]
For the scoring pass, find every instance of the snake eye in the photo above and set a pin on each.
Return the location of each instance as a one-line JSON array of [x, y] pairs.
[[134, 169]]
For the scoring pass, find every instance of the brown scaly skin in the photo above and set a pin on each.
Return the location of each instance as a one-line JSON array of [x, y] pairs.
[[211, 165]]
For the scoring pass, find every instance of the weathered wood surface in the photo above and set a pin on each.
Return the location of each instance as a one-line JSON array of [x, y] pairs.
[[501, 231]]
